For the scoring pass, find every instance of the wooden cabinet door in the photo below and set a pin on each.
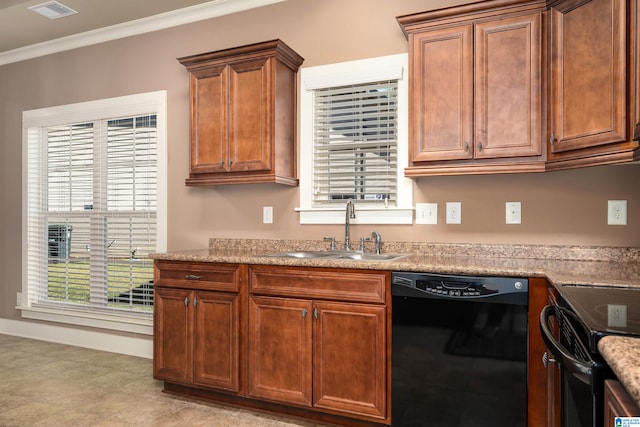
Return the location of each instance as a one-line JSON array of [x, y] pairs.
[[617, 403], [588, 74], [172, 335], [250, 107], [280, 350], [441, 94], [216, 340], [209, 146], [507, 86], [350, 358]]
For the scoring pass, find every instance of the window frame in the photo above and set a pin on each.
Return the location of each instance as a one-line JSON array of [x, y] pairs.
[[345, 73], [130, 105]]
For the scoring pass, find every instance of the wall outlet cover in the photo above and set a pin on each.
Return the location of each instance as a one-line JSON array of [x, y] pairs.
[[513, 213], [617, 212], [267, 215], [454, 213]]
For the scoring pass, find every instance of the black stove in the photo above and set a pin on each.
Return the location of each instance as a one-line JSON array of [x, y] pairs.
[[603, 310], [571, 326]]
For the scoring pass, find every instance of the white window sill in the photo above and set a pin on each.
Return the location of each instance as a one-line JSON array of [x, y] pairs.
[[364, 215], [115, 322]]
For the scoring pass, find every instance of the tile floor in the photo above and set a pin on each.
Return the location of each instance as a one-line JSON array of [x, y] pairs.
[[47, 384]]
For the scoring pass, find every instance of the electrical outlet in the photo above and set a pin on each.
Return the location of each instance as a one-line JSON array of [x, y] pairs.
[[267, 215], [513, 213], [426, 213], [617, 315], [617, 212], [454, 213]]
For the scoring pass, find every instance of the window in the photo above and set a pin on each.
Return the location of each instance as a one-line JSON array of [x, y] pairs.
[[95, 209], [353, 142]]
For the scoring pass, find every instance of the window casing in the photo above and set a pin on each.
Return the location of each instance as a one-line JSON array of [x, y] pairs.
[[353, 142], [94, 209]]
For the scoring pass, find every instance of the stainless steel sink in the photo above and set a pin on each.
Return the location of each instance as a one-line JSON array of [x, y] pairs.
[[357, 256], [372, 257], [299, 254]]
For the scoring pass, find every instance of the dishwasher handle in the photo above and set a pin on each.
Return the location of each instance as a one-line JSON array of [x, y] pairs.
[[581, 370]]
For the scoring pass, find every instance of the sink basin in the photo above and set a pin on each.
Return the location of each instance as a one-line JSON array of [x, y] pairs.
[[299, 254], [358, 256], [372, 257]]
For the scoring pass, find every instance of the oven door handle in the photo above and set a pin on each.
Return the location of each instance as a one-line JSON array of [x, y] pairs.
[[577, 368]]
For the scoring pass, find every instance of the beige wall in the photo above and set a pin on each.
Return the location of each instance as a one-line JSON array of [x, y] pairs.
[[567, 208]]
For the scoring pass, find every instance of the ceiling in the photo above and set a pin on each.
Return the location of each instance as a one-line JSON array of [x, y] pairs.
[[21, 27]]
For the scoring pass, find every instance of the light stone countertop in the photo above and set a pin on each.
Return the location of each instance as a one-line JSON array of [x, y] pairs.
[[560, 265], [623, 356]]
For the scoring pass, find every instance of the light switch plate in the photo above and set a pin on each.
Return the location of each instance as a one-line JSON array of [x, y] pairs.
[[617, 315], [426, 213], [454, 213], [267, 215]]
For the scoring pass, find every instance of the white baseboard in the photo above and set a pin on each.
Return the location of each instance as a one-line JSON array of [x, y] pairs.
[[132, 346]]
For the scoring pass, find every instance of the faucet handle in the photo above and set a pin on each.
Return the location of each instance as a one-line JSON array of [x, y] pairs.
[[332, 240], [363, 248]]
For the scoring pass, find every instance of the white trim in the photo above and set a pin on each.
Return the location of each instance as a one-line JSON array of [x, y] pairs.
[[132, 346], [363, 216], [111, 321], [200, 12], [355, 72]]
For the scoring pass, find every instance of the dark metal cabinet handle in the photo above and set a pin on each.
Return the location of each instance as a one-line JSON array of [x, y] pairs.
[[480, 146], [195, 302], [552, 139], [186, 301], [316, 313], [304, 313], [192, 277], [466, 146]]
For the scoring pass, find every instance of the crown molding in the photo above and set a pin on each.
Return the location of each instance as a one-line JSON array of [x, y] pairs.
[[161, 21]]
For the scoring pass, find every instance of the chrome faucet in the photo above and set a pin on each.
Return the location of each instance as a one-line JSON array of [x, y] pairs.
[[350, 213]]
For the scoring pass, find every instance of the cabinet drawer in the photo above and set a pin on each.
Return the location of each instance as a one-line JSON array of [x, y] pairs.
[[342, 285], [197, 275]]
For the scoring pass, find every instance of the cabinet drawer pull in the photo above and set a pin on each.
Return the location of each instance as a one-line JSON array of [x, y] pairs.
[[192, 277], [466, 146], [552, 139], [316, 313], [195, 302], [480, 146], [304, 313], [186, 301]]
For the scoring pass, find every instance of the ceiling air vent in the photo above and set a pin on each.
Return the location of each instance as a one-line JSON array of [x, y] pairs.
[[53, 10]]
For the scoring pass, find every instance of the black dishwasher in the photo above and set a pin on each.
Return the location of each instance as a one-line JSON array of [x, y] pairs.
[[459, 350]]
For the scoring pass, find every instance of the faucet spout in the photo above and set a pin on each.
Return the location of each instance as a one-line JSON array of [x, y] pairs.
[[350, 213]]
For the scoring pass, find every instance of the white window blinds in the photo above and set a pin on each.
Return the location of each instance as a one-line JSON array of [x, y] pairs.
[[355, 144], [92, 209]]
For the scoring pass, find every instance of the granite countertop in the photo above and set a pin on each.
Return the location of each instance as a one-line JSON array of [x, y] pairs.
[[623, 356], [560, 265]]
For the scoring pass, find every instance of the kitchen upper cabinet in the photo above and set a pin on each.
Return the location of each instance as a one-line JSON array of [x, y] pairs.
[[318, 339], [243, 115], [475, 89], [593, 82], [196, 325]]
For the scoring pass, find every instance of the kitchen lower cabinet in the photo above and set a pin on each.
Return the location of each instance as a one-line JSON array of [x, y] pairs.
[[617, 403], [196, 331], [308, 348], [319, 354]]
